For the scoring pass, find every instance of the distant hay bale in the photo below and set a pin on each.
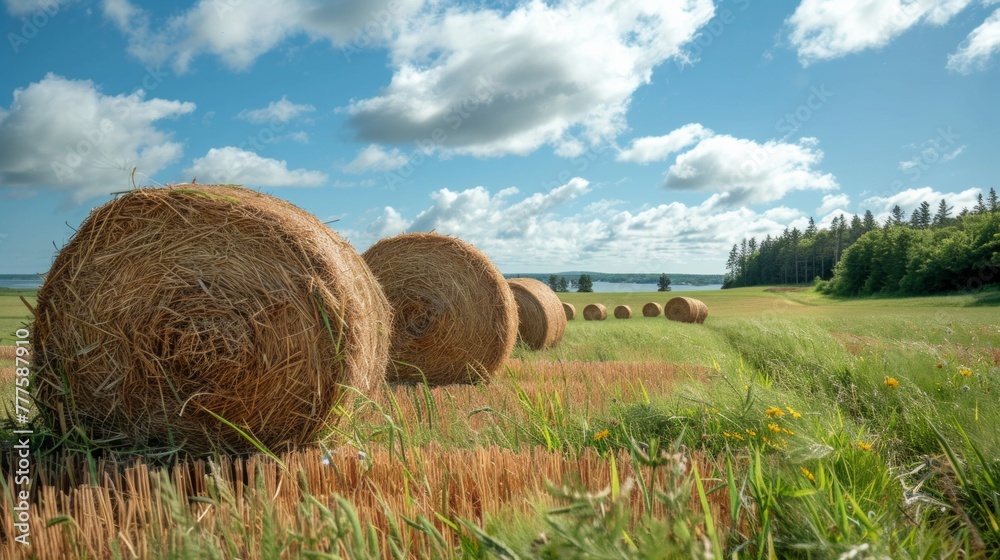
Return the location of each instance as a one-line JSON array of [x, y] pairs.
[[652, 309], [595, 312], [623, 312], [171, 308], [541, 318], [686, 310], [570, 311], [455, 320]]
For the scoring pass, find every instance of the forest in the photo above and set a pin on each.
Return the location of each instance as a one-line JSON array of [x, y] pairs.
[[934, 250]]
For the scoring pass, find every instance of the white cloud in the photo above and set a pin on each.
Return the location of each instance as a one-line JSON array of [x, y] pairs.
[[281, 111], [827, 29], [239, 32], [929, 155], [540, 233], [953, 154], [374, 158], [66, 135], [745, 172], [978, 48], [489, 83], [658, 148], [233, 165], [832, 202], [910, 199]]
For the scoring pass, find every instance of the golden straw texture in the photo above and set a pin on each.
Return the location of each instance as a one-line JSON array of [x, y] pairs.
[[455, 320], [541, 318]]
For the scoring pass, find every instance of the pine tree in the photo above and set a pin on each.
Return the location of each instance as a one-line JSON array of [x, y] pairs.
[[943, 215], [896, 217], [811, 228], [857, 228], [554, 282], [585, 284], [664, 284], [980, 205], [925, 214], [869, 221], [563, 284], [993, 203]]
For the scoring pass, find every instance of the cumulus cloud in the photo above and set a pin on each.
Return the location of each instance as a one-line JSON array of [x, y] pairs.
[[66, 135], [832, 202], [743, 172], [658, 148], [541, 231], [233, 165], [910, 199], [239, 32], [978, 48], [828, 29], [281, 111], [489, 83], [374, 158]]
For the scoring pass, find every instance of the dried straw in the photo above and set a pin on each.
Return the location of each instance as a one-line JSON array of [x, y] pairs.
[[570, 311], [623, 312], [541, 318], [170, 308], [686, 310], [455, 316], [595, 312], [652, 309]]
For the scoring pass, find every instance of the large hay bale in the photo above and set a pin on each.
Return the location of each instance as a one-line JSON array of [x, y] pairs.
[[595, 312], [685, 310], [623, 312], [652, 309], [541, 319], [170, 308], [570, 311], [455, 320]]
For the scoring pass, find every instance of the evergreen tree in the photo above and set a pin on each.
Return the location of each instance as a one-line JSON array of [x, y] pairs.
[[896, 217], [585, 284], [992, 202], [980, 205], [925, 214], [857, 228], [943, 214], [664, 283], [811, 228], [869, 221]]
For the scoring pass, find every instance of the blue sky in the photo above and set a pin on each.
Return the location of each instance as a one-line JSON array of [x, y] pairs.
[[631, 136]]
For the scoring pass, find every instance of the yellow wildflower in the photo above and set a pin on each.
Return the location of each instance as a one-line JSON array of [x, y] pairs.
[[787, 431], [865, 446], [965, 372], [793, 412], [750, 432], [601, 435], [774, 411], [808, 474], [891, 382], [774, 428]]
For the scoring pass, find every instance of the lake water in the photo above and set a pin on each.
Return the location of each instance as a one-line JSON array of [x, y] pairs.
[[20, 281], [629, 287]]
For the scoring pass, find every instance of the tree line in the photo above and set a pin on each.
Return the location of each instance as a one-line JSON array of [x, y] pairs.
[[584, 283], [934, 250]]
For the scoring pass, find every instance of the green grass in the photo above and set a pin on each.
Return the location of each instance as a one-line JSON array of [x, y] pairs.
[[840, 426], [13, 314]]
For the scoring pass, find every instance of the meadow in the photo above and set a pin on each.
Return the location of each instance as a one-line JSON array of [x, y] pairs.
[[789, 425]]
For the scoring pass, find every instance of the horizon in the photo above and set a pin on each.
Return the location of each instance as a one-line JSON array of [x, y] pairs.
[[621, 136]]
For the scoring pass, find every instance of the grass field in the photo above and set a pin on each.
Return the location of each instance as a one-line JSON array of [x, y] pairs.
[[789, 425]]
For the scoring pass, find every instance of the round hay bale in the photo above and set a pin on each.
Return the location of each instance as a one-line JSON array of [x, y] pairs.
[[685, 310], [702, 312], [652, 309], [623, 312], [455, 320], [172, 308], [595, 312], [541, 319], [570, 311]]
